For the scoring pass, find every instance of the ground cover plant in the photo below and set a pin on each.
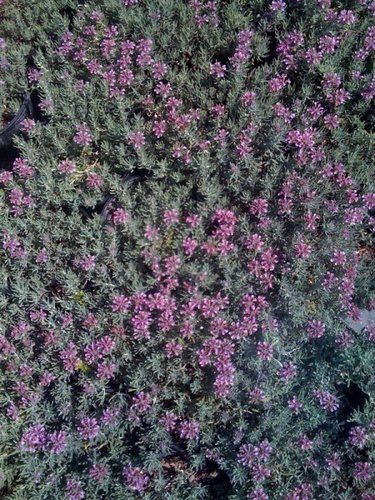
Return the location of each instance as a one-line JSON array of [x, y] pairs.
[[186, 194]]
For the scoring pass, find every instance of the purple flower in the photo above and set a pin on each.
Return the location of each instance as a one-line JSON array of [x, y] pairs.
[[334, 462], [69, 357], [259, 473], [171, 217], [87, 263], [109, 416], [27, 125], [74, 490], [22, 168], [303, 491], [264, 450], [173, 349], [189, 245], [259, 207], [303, 250], [94, 181], [189, 429], [305, 443], [98, 472], [137, 139], [257, 395], [66, 167], [159, 128], [58, 441], [315, 329], [88, 428], [264, 351], [83, 135], [120, 304], [357, 436], [141, 322], [363, 471], [287, 371], [258, 494], [295, 405], [34, 439], [106, 370], [247, 454], [218, 70], [169, 421], [327, 400], [135, 478], [277, 6]]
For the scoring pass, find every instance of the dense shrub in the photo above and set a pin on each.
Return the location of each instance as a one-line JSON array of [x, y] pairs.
[[186, 223]]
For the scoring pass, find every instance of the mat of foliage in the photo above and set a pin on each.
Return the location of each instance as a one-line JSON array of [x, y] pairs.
[[186, 215]]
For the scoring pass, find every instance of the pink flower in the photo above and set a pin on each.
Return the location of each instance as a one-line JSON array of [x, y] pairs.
[[169, 421], [22, 167], [137, 139], [6, 177], [254, 242], [98, 472], [189, 245], [83, 135], [120, 216], [94, 181], [218, 70], [88, 262], [120, 304], [264, 351], [173, 349], [189, 429], [66, 167], [141, 402], [152, 233], [338, 258], [159, 128], [163, 89], [259, 207], [248, 98], [303, 250], [315, 329], [193, 220], [159, 70], [28, 124], [171, 217]]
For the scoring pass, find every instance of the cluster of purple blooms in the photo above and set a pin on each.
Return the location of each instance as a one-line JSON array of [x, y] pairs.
[[199, 327], [36, 438]]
